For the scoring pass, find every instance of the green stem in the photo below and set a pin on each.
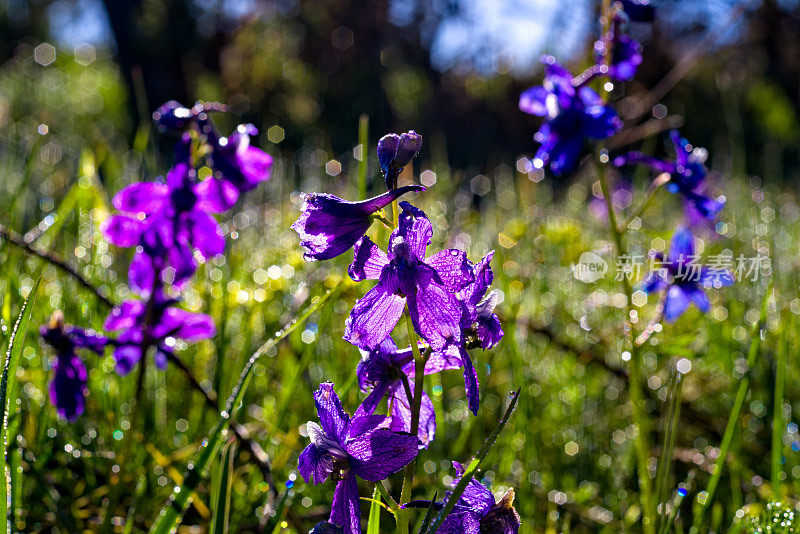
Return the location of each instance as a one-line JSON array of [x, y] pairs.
[[419, 379], [777, 411], [706, 498], [393, 506], [635, 383]]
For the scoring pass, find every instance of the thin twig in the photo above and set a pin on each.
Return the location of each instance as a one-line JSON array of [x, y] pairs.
[[51, 258]]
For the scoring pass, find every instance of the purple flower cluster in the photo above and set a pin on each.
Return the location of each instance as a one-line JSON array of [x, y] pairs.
[[171, 224], [449, 304]]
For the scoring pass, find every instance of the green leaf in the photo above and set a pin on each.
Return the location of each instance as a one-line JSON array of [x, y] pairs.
[[221, 512], [173, 510], [374, 522], [8, 398]]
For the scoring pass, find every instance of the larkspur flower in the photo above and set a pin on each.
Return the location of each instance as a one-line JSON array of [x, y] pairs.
[[166, 220], [622, 52], [687, 173], [571, 115], [476, 511], [345, 449], [157, 323], [329, 226], [682, 278], [386, 371], [427, 286], [68, 388], [395, 152], [480, 305]]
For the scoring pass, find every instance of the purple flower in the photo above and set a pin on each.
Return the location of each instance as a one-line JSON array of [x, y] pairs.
[[68, 387], [329, 226], [344, 449], [682, 278], [238, 166], [571, 114], [480, 305], [639, 10], [687, 173], [407, 278], [395, 152], [624, 55], [166, 220], [476, 511], [157, 323]]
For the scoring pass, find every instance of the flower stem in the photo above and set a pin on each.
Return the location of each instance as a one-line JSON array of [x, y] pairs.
[[419, 379], [635, 384]]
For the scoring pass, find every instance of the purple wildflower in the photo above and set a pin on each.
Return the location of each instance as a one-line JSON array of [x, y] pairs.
[[687, 173], [480, 305], [156, 323], [682, 278], [623, 56], [406, 277], [344, 449], [395, 152], [68, 387], [329, 226], [476, 511], [571, 114]]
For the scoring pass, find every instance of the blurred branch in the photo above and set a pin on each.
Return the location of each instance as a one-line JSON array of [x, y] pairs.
[[51, 258]]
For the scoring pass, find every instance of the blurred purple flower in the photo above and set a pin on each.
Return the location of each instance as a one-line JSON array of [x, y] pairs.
[[344, 449], [395, 152], [639, 10], [157, 323], [682, 278], [329, 226], [621, 198], [68, 387], [476, 511], [624, 55], [406, 277], [687, 173], [571, 114]]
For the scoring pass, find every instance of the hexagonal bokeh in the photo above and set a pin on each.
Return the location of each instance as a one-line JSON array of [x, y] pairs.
[[44, 54]]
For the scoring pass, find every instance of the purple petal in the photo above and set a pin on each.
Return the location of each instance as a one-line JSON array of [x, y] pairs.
[[681, 248], [374, 316], [125, 315], [374, 204], [387, 150], [123, 231], [633, 158], [676, 304], [454, 269], [563, 156], [310, 464], [699, 298], [332, 417], [182, 261], [368, 261], [534, 101], [471, 383], [186, 325], [345, 509], [655, 283], [401, 415], [363, 425], [141, 274], [601, 122], [415, 229], [255, 166], [435, 312], [142, 197], [490, 331], [378, 454], [372, 400], [68, 387], [127, 356], [206, 235], [215, 195], [476, 495]]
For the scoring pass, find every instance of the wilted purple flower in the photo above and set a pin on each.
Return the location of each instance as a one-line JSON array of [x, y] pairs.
[[68, 387], [238, 166], [624, 55], [476, 511], [395, 152], [344, 449], [406, 277], [571, 114], [687, 173], [157, 323], [329, 226], [682, 278], [639, 10], [480, 305]]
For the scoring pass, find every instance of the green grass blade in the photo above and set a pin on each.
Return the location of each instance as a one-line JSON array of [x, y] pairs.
[[374, 521], [221, 512], [173, 510], [473, 467], [8, 396], [777, 410], [363, 141]]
